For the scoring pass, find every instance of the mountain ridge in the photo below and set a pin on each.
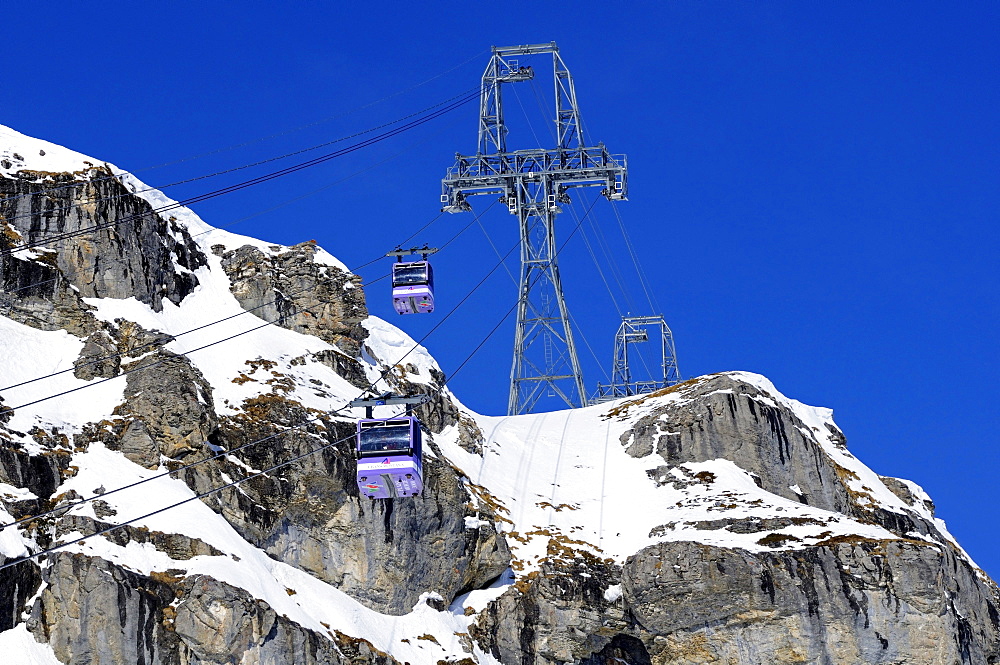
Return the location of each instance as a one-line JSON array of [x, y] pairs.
[[509, 554]]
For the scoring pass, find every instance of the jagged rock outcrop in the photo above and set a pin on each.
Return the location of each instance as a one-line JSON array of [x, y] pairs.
[[105, 241], [848, 602], [166, 412], [93, 612], [289, 288], [848, 599], [312, 516]]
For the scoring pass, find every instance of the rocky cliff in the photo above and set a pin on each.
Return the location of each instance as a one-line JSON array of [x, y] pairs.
[[174, 440]]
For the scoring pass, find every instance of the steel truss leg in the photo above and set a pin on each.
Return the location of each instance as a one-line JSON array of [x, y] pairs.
[[544, 351]]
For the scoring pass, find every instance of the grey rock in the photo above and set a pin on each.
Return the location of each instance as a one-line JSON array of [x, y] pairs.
[[99, 357], [856, 601], [216, 621], [92, 612], [119, 247], [293, 291], [556, 615], [167, 412], [311, 515]]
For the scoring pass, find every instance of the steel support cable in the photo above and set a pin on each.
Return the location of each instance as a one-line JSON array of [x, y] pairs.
[[600, 271], [635, 260], [246, 183], [572, 208], [643, 282], [619, 277], [371, 385], [615, 271], [232, 169], [150, 345], [571, 317], [201, 495], [597, 360], [611, 262], [280, 205]]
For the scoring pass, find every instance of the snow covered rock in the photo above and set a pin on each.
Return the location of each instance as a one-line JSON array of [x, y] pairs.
[[717, 521]]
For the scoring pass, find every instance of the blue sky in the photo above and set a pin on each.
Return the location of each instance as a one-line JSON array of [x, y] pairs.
[[813, 191]]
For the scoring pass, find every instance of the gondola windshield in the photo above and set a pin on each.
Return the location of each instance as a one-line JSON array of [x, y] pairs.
[[404, 274], [383, 437]]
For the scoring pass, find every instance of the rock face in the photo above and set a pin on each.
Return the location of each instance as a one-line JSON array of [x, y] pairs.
[[289, 288], [275, 533], [89, 237], [911, 599]]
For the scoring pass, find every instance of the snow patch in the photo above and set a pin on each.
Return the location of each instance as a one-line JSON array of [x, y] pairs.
[[20, 648]]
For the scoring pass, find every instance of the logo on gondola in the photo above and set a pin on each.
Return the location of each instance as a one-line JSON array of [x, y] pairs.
[[372, 488], [386, 461]]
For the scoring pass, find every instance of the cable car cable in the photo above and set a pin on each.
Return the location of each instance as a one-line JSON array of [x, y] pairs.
[[233, 223], [124, 174], [572, 319], [247, 183], [372, 384], [608, 257], [275, 467], [635, 260]]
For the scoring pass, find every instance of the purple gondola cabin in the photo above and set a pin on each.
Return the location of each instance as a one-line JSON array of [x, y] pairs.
[[413, 287], [390, 460]]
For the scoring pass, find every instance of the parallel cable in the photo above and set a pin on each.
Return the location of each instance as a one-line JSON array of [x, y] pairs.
[[326, 187], [242, 167], [246, 183], [572, 319], [150, 345], [371, 385], [272, 136], [635, 260]]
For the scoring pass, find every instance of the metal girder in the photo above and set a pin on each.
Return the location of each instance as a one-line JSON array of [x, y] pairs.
[[533, 184], [635, 329], [388, 399], [424, 252]]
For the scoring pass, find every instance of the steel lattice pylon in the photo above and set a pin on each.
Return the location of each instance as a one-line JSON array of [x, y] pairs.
[[636, 329], [533, 184]]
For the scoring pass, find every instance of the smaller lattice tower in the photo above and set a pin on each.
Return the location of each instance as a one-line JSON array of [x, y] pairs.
[[636, 329]]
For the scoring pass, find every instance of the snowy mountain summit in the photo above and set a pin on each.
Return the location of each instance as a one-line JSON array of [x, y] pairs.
[[177, 480]]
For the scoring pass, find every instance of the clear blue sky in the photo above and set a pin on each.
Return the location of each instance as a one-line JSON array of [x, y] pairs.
[[814, 192]]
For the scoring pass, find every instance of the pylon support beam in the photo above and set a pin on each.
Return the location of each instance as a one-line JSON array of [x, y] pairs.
[[533, 184]]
